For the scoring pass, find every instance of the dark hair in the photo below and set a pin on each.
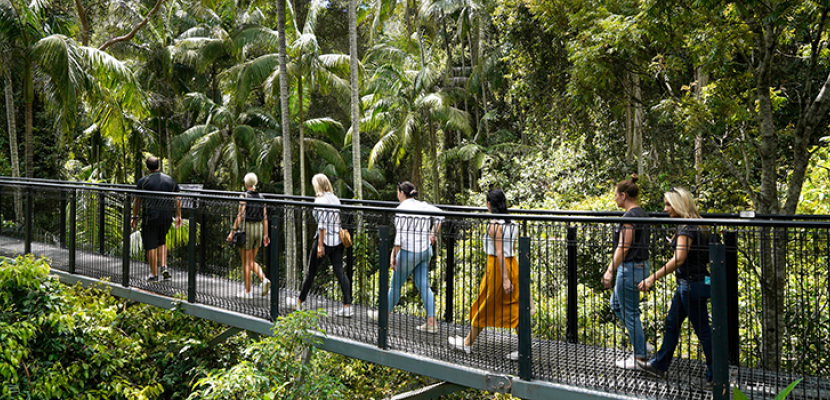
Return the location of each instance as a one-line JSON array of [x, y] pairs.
[[629, 187], [498, 202], [152, 163], [408, 189]]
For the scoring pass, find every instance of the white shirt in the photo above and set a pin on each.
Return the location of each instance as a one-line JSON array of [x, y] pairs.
[[508, 239], [412, 231], [328, 219]]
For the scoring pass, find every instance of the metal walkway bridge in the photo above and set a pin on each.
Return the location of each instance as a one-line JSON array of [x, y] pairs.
[[568, 339]]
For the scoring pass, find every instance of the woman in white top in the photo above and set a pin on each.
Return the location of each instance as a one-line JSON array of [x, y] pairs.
[[498, 298], [328, 244], [414, 236]]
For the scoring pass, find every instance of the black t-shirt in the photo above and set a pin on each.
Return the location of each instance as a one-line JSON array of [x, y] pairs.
[[642, 234], [253, 211], [696, 266], [157, 208]]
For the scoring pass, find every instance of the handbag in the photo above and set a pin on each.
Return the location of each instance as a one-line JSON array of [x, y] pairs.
[[345, 236], [238, 239]]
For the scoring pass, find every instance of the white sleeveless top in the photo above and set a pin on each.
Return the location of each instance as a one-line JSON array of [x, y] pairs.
[[509, 233]]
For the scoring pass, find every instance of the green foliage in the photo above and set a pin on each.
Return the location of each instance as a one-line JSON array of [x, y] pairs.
[[274, 369], [739, 395]]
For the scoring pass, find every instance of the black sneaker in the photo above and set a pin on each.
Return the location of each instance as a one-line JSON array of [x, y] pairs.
[[701, 384], [153, 278], [165, 273], [646, 367]]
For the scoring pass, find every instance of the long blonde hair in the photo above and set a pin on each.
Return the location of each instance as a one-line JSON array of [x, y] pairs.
[[321, 185], [683, 204]]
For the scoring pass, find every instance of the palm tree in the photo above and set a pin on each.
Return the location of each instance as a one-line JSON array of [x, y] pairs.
[[354, 100], [11, 118], [405, 97], [290, 238]]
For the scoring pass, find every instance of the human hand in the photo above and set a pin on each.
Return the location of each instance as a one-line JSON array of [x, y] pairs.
[[266, 241], [508, 286], [431, 238], [178, 222], [646, 284], [133, 223], [607, 277], [321, 251], [230, 237], [393, 263]]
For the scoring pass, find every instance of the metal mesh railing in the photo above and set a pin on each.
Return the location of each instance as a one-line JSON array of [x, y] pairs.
[[774, 281]]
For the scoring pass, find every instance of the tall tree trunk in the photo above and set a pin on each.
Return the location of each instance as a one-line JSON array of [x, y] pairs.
[[13, 146], [629, 119], [702, 80], [288, 186], [637, 134], [29, 98], [357, 171], [305, 248], [482, 33]]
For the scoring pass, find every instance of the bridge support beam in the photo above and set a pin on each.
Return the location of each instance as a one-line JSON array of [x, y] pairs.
[[430, 392], [222, 337]]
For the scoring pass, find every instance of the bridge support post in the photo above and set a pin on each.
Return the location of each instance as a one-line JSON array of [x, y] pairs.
[[125, 247], [430, 392], [191, 255], [102, 223], [730, 240], [525, 355], [383, 287], [273, 264], [720, 322], [203, 239], [572, 318], [450, 276], [73, 228], [29, 217]]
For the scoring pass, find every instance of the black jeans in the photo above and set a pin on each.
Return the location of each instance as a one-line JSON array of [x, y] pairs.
[[335, 255]]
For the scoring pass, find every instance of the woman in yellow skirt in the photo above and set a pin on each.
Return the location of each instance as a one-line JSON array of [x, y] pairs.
[[498, 298]]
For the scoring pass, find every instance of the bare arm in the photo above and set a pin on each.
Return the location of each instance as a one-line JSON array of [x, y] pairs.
[[624, 245], [680, 253], [496, 232]]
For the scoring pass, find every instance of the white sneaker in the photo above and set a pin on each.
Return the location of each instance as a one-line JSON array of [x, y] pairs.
[[266, 284], [297, 306], [627, 363], [457, 343], [345, 312], [514, 356], [428, 329], [373, 314], [243, 295]]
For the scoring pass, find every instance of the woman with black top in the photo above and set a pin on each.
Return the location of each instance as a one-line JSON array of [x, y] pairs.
[[255, 227], [630, 263], [691, 261]]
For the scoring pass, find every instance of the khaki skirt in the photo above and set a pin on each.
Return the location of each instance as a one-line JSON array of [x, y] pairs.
[[253, 235]]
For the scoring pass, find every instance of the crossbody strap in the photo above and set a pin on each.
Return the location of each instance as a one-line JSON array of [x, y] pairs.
[[244, 212]]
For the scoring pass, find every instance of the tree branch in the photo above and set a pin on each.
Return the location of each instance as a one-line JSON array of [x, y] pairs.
[[737, 174], [136, 28], [85, 29]]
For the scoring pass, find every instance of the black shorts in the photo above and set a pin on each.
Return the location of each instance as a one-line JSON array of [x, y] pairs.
[[154, 233]]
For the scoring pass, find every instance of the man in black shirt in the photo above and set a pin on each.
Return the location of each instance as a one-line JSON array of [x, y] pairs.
[[157, 211]]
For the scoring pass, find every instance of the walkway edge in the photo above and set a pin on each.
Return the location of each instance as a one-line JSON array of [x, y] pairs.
[[469, 377]]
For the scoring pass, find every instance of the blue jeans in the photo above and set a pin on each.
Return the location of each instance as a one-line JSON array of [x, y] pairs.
[[625, 302], [416, 264], [689, 301]]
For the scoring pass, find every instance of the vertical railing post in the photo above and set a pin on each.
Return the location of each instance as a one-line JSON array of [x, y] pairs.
[[450, 276], [273, 264], [125, 247], [102, 199], [720, 322], [73, 228], [730, 241], [62, 222], [29, 216], [525, 351], [383, 287], [203, 237], [191, 255], [572, 318]]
